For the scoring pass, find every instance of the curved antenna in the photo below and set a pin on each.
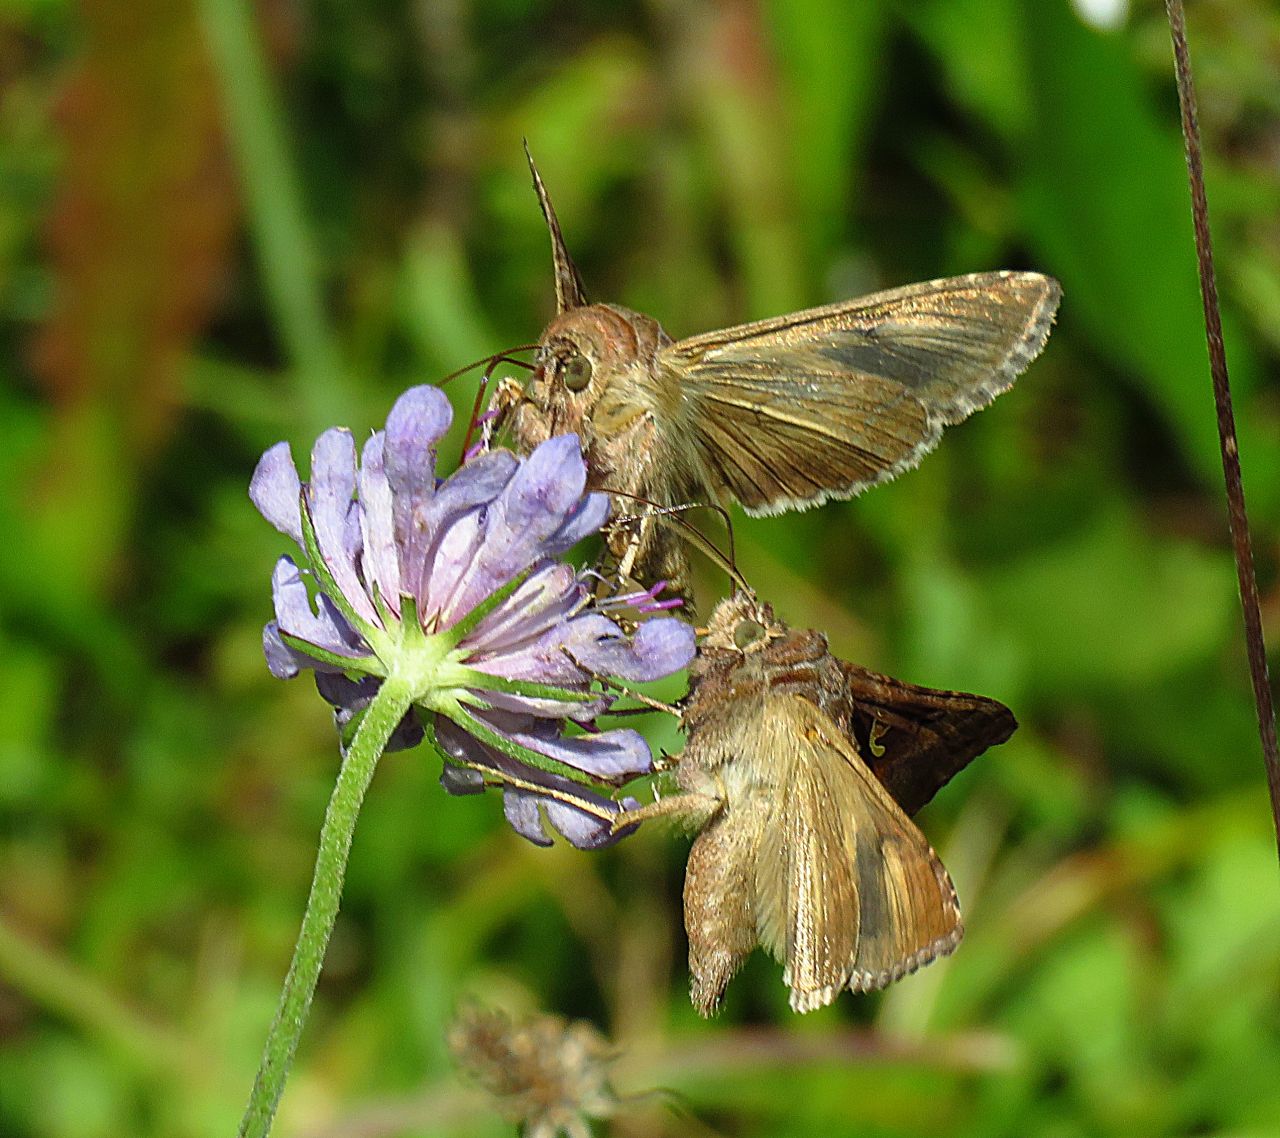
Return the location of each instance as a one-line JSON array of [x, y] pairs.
[[695, 537], [569, 290], [503, 357], [492, 362]]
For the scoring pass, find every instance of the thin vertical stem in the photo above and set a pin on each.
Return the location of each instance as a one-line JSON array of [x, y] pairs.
[[1238, 519], [380, 720]]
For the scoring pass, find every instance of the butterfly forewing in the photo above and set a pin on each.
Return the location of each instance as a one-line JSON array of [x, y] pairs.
[[823, 403], [848, 891]]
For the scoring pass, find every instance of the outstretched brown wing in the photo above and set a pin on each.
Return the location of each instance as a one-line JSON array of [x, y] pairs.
[[823, 403]]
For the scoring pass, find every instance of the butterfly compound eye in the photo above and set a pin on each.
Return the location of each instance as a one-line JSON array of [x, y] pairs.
[[747, 633], [576, 372]]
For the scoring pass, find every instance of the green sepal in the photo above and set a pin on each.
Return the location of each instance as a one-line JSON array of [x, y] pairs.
[[368, 665], [529, 688], [412, 633], [471, 621], [382, 607]]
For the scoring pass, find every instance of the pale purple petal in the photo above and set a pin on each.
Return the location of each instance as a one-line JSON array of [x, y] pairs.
[[381, 562], [585, 831], [282, 661], [544, 659], [581, 711], [458, 546], [418, 421], [581, 828], [549, 596], [274, 489], [323, 626], [521, 810], [530, 509], [329, 494], [587, 518], [615, 756], [659, 647], [429, 576]]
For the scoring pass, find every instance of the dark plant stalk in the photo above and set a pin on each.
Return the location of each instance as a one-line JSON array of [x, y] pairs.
[[1238, 520]]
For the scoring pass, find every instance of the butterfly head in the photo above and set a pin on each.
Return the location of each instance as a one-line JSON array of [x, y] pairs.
[[741, 625], [592, 357]]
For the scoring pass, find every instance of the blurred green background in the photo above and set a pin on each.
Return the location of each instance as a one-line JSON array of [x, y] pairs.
[[221, 225]]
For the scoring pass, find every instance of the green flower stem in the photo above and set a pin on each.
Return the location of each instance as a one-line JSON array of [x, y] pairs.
[[380, 720]]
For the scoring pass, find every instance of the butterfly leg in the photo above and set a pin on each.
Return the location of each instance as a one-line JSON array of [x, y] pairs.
[[622, 689], [694, 808], [630, 531], [508, 394]]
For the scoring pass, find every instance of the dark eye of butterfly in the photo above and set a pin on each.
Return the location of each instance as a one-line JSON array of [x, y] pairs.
[[576, 372], [747, 633]]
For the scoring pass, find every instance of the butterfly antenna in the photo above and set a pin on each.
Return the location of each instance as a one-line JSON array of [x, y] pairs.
[[491, 364], [504, 357]]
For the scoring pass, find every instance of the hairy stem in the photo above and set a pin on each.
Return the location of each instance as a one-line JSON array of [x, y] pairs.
[[382, 717]]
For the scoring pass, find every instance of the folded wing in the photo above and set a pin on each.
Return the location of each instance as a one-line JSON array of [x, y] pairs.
[[849, 893]]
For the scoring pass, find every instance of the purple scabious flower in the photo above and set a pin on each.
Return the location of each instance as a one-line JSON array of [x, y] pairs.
[[453, 587]]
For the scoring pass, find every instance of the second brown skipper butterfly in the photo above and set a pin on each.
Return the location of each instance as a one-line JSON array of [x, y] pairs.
[[800, 772]]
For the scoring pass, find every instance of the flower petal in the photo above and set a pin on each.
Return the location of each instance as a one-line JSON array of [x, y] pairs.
[[428, 575], [532, 507], [659, 647], [615, 756], [274, 489], [461, 780], [521, 810], [329, 495], [417, 422], [584, 830], [282, 661], [587, 518], [380, 561], [583, 825], [549, 595], [323, 626]]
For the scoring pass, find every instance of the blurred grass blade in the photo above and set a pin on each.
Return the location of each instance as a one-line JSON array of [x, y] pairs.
[[285, 250]]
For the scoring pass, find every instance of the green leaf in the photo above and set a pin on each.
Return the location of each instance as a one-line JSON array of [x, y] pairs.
[[1114, 605]]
